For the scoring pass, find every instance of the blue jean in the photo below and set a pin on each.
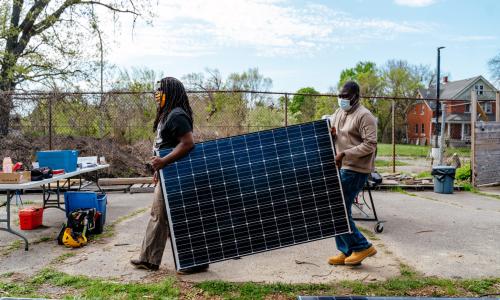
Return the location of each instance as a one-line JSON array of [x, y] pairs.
[[352, 184]]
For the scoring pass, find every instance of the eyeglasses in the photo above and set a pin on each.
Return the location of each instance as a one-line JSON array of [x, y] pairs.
[[344, 96]]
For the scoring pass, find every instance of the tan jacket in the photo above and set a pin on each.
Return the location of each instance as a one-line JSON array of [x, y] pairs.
[[357, 138]]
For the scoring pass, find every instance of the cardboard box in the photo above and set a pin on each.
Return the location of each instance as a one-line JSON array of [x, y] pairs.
[[14, 178]]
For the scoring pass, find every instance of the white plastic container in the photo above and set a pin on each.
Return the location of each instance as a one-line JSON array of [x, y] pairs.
[[7, 165]]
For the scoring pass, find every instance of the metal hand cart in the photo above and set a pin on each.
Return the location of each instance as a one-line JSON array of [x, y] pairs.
[[366, 209]]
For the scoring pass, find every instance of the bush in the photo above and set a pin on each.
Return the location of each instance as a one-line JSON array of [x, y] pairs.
[[463, 173]]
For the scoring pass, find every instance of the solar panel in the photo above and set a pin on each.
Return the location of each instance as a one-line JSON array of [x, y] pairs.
[[252, 193], [378, 298]]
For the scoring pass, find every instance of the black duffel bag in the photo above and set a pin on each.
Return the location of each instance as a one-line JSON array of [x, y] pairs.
[[41, 174]]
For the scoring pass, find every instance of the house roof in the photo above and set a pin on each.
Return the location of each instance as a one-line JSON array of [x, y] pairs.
[[452, 89]]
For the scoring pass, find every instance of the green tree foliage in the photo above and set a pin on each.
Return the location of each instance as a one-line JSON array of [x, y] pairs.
[[42, 41], [263, 117], [230, 113], [325, 106], [397, 78], [139, 108], [303, 107], [366, 75], [402, 79], [136, 79]]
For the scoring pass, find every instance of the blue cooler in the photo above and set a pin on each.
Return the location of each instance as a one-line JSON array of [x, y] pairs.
[[58, 159], [444, 177], [83, 200]]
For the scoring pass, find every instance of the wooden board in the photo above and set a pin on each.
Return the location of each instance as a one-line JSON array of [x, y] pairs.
[[64, 183], [125, 181], [487, 153], [142, 188]]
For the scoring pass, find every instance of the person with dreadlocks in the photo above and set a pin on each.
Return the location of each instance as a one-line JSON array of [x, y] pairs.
[[174, 129], [354, 129]]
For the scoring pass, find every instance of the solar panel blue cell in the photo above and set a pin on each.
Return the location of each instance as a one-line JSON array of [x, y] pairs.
[[251, 193]]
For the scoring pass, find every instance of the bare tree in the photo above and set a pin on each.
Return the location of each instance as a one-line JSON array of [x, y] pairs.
[[494, 66]]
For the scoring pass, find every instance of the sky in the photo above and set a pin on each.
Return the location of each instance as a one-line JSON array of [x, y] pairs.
[[308, 43]]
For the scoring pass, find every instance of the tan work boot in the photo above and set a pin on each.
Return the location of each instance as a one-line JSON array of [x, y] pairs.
[[357, 257], [337, 259]]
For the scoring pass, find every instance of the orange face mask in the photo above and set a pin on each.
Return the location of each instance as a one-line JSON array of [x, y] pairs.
[[160, 98]]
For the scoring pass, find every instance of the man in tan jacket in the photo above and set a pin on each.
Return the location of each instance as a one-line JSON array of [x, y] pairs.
[[354, 129]]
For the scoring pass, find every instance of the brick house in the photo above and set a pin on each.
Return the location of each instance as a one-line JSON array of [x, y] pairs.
[[456, 96]]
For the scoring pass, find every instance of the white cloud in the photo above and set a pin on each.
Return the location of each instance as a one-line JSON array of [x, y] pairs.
[[472, 38], [268, 27], [415, 3]]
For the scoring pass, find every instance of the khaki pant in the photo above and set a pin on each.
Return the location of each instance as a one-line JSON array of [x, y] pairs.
[[157, 231]]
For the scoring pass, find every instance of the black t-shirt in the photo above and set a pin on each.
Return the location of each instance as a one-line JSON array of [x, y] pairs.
[[172, 128]]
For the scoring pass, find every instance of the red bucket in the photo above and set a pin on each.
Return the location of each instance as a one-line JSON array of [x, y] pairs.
[[30, 218]]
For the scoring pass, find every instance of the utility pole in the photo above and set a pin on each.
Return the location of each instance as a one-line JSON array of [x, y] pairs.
[[435, 149]]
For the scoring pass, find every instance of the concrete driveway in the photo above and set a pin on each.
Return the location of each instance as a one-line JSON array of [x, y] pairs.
[[445, 235]]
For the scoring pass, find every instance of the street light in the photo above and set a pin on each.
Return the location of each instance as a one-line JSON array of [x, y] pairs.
[[437, 96]]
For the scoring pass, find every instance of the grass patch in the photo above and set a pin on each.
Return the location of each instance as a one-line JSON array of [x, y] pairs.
[[424, 174], [91, 288], [17, 290], [398, 189], [250, 290], [409, 283], [461, 151], [418, 151], [368, 233], [386, 163], [15, 245], [61, 258], [468, 187], [403, 150], [43, 239], [7, 274], [109, 230]]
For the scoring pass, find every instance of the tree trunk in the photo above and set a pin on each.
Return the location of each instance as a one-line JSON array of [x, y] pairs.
[[6, 88]]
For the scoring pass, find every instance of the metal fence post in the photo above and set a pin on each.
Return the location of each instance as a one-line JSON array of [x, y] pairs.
[[473, 136], [50, 122], [497, 106], [286, 110], [393, 137]]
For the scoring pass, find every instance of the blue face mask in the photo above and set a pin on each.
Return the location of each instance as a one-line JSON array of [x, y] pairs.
[[345, 104]]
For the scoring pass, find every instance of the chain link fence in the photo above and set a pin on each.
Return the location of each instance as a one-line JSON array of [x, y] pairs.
[[119, 125], [128, 117]]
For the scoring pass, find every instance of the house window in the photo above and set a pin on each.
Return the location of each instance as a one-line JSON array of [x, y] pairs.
[[487, 107], [479, 89], [422, 110], [416, 107], [423, 128], [466, 129], [416, 128], [467, 108]]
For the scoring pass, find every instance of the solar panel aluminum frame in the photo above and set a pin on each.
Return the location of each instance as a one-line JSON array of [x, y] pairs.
[[169, 216]]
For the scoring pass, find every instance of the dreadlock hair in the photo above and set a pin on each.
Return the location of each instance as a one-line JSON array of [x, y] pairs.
[[176, 96]]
